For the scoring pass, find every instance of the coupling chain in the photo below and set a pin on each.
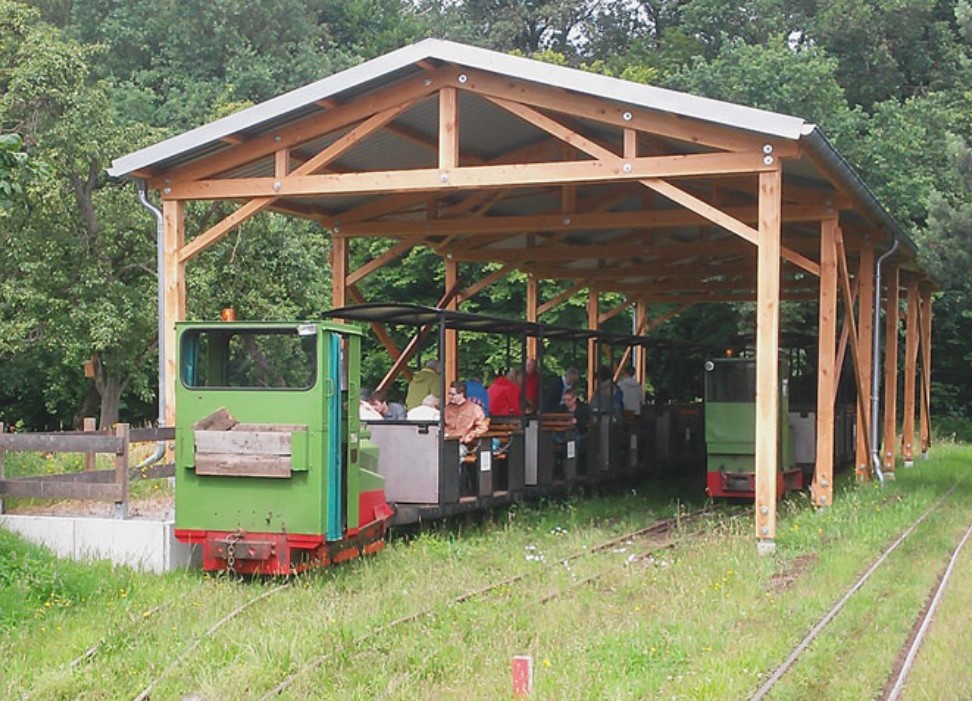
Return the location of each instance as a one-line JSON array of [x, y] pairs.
[[231, 542]]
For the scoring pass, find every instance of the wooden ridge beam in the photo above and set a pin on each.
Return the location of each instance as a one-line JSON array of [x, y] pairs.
[[621, 116]]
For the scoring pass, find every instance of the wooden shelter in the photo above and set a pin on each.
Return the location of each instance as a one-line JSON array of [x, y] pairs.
[[668, 198]]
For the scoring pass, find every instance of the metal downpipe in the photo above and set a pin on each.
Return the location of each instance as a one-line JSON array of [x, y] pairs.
[[875, 360], [159, 255]]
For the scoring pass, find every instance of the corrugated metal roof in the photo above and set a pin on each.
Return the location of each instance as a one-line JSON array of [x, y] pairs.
[[397, 64]]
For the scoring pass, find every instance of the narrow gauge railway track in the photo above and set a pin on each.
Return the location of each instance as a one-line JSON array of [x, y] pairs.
[[899, 676], [780, 671], [658, 528]]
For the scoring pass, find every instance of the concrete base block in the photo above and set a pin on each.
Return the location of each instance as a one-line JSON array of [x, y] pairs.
[[144, 545]]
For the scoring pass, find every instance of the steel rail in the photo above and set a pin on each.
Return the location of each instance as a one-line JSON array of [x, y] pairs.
[[829, 616], [926, 620], [315, 663]]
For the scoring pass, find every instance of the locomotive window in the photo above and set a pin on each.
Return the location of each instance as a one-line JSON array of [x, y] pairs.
[[271, 359], [732, 382]]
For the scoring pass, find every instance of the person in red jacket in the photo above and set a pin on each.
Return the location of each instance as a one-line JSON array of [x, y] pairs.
[[504, 394], [531, 385]]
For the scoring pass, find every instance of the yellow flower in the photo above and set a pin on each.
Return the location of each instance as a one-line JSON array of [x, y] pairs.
[[546, 662]]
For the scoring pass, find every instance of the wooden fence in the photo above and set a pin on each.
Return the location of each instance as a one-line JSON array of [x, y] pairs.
[[97, 485]]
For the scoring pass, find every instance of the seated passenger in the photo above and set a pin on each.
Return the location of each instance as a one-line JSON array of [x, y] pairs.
[[464, 421], [531, 385], [632, 394], [392, 411], [477, 394], [554, 392], [428, 410], [369, 409], [581, 413], [424, 382], [504, 394]]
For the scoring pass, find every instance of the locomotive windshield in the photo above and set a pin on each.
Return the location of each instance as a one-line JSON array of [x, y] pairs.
[[250, 359], [732, 381]]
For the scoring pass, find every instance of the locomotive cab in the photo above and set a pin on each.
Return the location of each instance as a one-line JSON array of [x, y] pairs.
[[730, 430], [273, 472]]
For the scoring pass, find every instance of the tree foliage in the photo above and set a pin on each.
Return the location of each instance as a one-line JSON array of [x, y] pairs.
[[82, 83]]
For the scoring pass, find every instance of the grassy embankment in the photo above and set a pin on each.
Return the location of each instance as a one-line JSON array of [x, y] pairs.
[[704, 620]]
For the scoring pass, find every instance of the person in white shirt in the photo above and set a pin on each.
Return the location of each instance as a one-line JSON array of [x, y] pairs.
[[632, 394], [428, 410]]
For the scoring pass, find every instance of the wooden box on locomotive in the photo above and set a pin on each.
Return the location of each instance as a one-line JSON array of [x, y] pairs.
[[273, 473], [730, 430]]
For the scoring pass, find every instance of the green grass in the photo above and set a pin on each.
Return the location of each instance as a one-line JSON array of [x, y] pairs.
[[707, 619]]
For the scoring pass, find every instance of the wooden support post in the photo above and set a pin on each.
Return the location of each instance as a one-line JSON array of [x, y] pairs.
[[865, 346], [823, 478], [339, 272], [892, 317], [451, 364], [174, 220], [448, 129], [89, 424], [592, 316], [532, 305], [910, 377], [925, 342], [767, 356], [121, 470]]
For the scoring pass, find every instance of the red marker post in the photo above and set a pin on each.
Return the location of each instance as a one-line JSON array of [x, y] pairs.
[[522, 676]]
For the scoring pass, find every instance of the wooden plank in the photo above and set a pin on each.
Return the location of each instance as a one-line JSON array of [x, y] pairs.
[[243, 442], [577, 221], [891, 303], [844, 337], [315, 126], [381, 333], [767, 353], [339, 272], [233, 465], [857, 356], [652, 168], [593, 312], [910, 378], [589, 107], [865, 344], [611, 313], [532, 311], [75, 442], [93, 477], [61, 490], [555, 128], [396, 251], [560, 298], [642, 321], [219, 420], [90, 424], [152, 435], [174, 291], [481, 285], [704, 209], [270, 428], [448, 129], [312, 165], [823, 478], [121, 472], [925, 310], [451, 364]]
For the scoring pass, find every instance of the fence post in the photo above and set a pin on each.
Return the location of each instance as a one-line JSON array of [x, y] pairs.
[[90, 424], [2, 429], [121, 471]]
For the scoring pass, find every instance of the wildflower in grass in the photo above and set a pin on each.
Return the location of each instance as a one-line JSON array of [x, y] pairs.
[[546, 662]]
